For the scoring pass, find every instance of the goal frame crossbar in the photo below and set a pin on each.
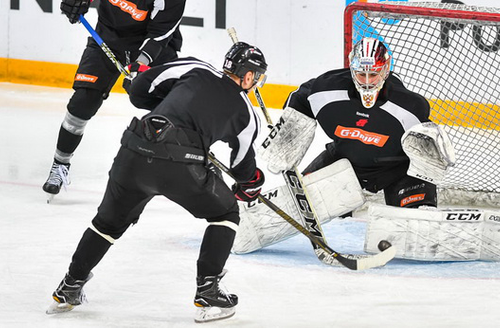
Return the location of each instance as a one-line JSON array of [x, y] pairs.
[[459, 111], [352, 8]]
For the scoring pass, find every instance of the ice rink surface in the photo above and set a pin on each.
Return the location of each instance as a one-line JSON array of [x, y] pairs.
[[147, 279]]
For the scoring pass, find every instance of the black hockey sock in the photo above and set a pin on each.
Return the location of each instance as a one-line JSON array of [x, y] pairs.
[[67, 142], [215, 249], [89, 252]]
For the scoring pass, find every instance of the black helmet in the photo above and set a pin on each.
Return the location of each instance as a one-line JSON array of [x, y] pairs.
[[242, 58]]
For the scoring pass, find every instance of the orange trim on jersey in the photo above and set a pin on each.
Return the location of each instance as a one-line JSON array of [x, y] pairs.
[[86, 78], [365, 137], [412, 199], [130, 8]]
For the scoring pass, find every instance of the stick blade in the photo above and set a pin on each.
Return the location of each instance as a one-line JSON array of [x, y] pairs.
[[377, 260]]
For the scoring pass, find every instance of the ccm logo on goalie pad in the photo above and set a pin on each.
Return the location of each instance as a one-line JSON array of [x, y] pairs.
[[494, 218], [365, 137], [273, 133], [464, 216], [270, 195]]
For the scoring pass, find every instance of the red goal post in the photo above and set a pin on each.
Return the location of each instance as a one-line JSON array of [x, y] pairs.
[[449, 53]]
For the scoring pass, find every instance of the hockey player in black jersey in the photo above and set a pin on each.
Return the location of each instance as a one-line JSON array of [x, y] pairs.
[[365, 110], [382, 139], [138, 32], [192, 106]]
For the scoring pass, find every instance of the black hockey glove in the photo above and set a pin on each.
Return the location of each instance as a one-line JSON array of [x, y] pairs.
[[249, 191], [74, 8], [134, 69]]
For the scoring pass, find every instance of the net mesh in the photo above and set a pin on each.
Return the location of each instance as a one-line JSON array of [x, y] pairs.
[[453, 62]]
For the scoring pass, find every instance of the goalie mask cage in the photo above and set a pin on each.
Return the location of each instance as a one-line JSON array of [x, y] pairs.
[[450, 54]]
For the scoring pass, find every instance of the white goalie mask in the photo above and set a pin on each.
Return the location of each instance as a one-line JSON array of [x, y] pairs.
[[370, 65]]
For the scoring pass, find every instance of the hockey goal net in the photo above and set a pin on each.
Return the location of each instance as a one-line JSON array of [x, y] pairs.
[[450, 54]]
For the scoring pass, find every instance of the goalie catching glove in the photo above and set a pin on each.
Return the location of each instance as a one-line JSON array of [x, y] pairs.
[[250, 190], [74, 8], [134, 69], [430, 151]]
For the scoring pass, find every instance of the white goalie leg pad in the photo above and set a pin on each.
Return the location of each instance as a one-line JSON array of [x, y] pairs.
[[430, 234], [334, 190], [430, 151], [260, 226], [490, 250], [288, 141]]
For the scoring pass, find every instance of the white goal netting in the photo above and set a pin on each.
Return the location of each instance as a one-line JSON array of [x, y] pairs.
[[450, 54]]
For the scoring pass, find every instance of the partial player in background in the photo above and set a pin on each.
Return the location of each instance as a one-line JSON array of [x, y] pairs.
[[141, 34], [192, 105], [382, 139]]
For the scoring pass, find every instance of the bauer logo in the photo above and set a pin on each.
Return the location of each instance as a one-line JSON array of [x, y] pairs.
[[365, 137], [86, 78], [463, 216], [194, 157]]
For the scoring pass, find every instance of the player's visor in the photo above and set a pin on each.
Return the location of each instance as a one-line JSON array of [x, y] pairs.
[[259, 79]]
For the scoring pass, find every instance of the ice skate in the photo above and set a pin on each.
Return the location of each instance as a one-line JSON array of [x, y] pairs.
[[58, 177], [212, 301], [68, 294]]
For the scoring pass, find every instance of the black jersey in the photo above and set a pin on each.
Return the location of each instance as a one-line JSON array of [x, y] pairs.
[[192, 94], [369, 137], [146, 24]]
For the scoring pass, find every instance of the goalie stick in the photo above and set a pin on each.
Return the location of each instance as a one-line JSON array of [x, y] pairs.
[[297, 190], [294, 184], [347, 260]]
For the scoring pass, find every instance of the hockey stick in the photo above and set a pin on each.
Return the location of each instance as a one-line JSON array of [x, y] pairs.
[[349, 261], [294, 183], [104, 46], [300, 197]]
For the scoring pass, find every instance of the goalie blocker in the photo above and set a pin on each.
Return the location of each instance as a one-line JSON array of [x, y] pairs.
[[334, 190], [288, 141], [430, 234]]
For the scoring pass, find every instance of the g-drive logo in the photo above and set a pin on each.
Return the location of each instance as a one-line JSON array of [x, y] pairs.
[[128, 6], [131, 9], [365, 137]]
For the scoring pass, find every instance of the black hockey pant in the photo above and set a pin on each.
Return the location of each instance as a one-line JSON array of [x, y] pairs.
[[133, 181]]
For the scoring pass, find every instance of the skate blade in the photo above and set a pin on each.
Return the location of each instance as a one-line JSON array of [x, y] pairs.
[[50, 197], [57, 307], [207, 314]]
